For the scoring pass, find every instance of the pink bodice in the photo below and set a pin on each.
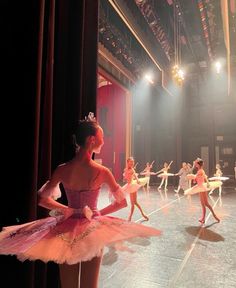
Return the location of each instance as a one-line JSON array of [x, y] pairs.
[[200, 177], [79, 199]]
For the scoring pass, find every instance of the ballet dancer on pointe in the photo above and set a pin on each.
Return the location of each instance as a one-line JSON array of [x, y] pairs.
[[164, 175], [147, 173], [202, 187], [132, 186]]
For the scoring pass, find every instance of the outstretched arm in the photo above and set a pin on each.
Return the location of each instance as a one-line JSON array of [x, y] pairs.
[[158, 172], [170, 164]]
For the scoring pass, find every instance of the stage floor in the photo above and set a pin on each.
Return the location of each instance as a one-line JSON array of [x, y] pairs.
[[186, 255]]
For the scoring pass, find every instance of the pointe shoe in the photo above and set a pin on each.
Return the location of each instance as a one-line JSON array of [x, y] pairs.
[[145, 217], [202, 221], [176, 191], [217, 219]]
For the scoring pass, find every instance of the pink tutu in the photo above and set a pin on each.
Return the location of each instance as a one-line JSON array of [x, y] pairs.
[[203, 188], [77, 238]]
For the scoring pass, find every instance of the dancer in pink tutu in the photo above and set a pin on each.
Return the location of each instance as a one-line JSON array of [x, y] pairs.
[[202, 187], [74, 236], [132, 186]]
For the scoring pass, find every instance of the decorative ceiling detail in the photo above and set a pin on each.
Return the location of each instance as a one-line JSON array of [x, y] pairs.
[[155, 25]]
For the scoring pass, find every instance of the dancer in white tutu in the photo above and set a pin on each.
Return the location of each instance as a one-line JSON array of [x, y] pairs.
[[202, 187], [218, 176], [164, 175], [147, 173], [75, 235], [132, 186]]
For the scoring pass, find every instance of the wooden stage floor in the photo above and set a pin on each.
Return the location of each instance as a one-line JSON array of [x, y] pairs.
[[186, 255]]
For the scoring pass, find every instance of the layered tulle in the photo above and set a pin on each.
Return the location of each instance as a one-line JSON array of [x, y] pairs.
[[134, 185], [165, 175], [204, 187], [68, 241]]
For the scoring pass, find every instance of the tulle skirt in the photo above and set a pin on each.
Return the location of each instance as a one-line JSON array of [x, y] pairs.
[[134, 185], [203, 188], [219, 178], [165, 175], [70, 241]]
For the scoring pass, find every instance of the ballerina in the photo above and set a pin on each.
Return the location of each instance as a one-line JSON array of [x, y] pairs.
[[75, 235], [218, 176], [202, 187], [132, 186], [147, 173], [164, 175]]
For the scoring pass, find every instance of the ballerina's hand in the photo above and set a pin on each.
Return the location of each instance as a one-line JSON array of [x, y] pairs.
[[88, 213], [62, 213]]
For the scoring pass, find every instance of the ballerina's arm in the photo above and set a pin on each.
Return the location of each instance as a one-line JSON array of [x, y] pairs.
[[158, 172], [50, 192], [116, 191]]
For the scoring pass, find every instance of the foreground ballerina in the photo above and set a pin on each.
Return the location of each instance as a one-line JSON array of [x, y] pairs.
[[202, 187], [76, 233]]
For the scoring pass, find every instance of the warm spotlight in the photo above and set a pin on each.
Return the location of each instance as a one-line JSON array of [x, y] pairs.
[[149, 78], [218, 67], [178, 74]]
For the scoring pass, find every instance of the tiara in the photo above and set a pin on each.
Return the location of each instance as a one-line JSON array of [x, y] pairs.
[[90, 117]]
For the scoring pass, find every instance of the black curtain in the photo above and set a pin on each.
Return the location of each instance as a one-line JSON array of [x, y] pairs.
[[49, 68]]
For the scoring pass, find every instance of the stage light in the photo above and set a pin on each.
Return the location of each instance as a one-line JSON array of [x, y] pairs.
[[178, 74], [149, 78], [218, 67]]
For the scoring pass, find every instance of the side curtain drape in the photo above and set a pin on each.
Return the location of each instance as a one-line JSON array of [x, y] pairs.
[[50, 82]]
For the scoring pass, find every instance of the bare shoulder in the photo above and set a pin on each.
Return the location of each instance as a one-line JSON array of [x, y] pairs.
[[59, 171]]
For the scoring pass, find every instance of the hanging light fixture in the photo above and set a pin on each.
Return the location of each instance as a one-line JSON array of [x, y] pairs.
[[177, 72]]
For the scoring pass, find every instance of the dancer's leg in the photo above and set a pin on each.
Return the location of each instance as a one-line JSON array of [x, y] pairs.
[[69, 275], [90, 273], [132, 201], [139, 207], [202, 219], [166, 183], [162, 181], [206, 204], [177, 190]]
